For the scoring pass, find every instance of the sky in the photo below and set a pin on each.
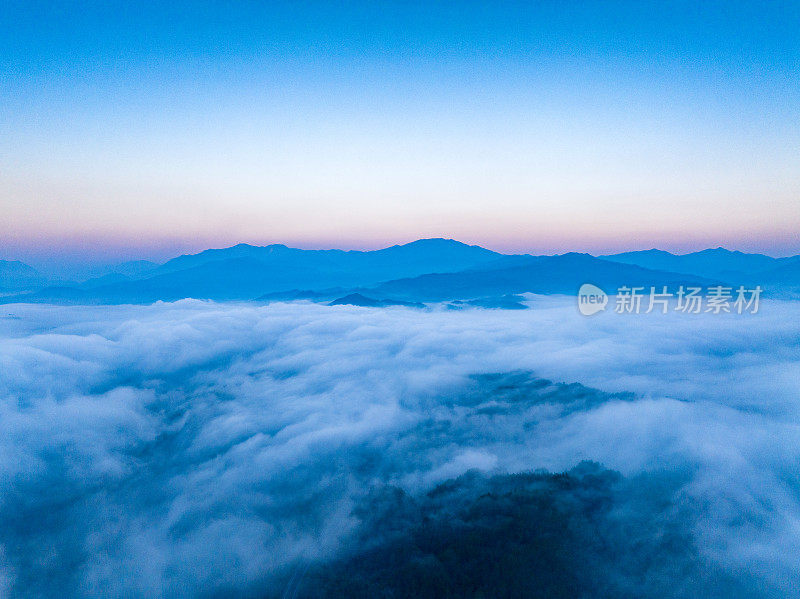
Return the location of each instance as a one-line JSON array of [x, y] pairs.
[[145, 130]]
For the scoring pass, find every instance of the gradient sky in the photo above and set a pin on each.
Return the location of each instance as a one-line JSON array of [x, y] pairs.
[[146, 130]]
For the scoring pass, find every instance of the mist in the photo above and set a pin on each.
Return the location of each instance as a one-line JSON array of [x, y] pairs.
[[196, 448]]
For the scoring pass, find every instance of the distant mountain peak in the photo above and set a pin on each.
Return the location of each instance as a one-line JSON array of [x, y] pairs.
[[357, 299], [437, 242], [18, 275], [438, 247], [718, 250]]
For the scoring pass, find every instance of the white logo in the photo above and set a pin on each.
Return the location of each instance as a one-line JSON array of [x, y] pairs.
[[591, 299]]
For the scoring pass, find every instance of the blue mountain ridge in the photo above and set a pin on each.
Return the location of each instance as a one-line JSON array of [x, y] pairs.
[[427, 270]]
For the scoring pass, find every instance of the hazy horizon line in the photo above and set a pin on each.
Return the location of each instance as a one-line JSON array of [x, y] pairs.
[[91, 255]]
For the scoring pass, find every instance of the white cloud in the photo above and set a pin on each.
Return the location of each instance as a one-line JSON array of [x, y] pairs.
[[176, 447]]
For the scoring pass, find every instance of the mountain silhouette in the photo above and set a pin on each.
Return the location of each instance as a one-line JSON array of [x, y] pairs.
[[711, 263], [243, 272], [356, 299], [18, 276], [543, 275], [427, 270]]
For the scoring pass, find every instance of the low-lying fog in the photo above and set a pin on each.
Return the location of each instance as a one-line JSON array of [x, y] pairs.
[[197, 448]]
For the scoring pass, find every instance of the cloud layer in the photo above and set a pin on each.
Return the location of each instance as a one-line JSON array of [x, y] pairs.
[[181, 449]]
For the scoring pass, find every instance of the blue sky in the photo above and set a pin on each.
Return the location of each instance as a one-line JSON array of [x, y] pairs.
[[145, 130]]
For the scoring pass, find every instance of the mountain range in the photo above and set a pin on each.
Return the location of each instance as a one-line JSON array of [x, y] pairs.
[[17, 276], [427, 270]]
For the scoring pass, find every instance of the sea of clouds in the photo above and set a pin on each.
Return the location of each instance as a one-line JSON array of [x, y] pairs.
[[187, 448]]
